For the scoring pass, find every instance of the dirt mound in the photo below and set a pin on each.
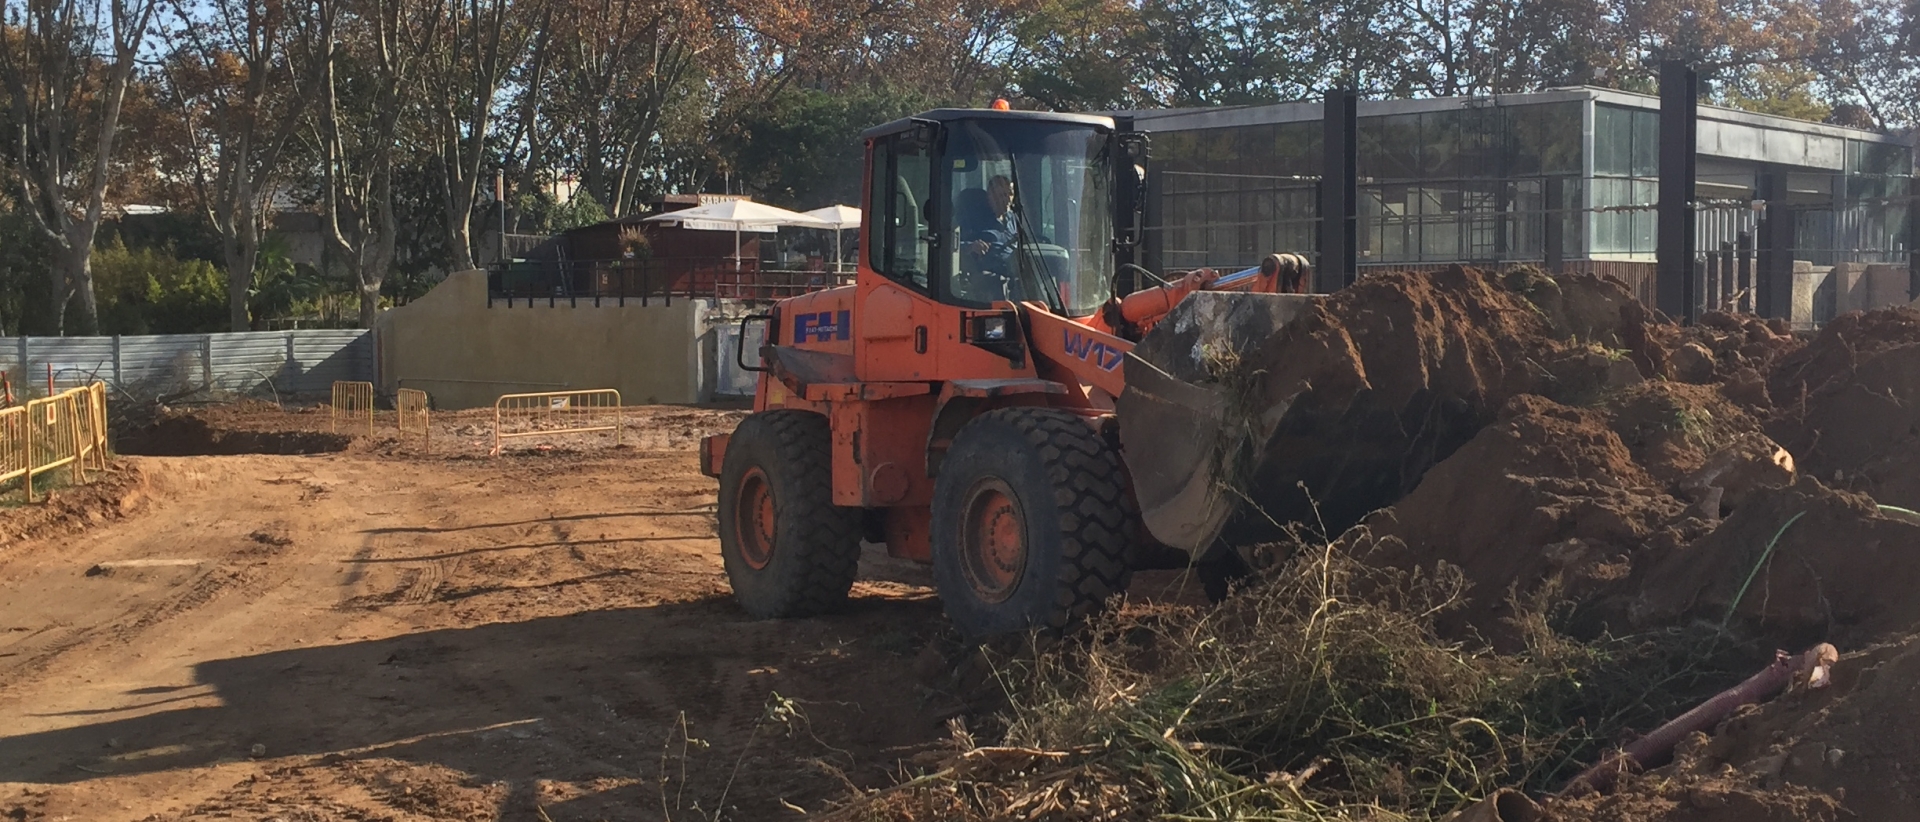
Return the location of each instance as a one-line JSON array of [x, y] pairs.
[[1860, 428], [1857, 740], [186, 435], [119, 491], [1733, 352], [1696, 790], [1390, 376], [1589, 498], [1843, 344], [1593, 474], [1673, 429], [1548, 491], [1579, 307], [1800, 564]]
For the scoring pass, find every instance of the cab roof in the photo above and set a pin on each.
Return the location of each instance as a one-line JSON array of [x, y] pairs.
[[943, 115]]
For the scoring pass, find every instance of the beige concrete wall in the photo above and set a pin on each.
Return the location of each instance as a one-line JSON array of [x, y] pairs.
[[464, 354], [1885, 285]]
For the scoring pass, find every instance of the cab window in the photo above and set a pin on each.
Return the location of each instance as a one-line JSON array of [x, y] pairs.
[[901, 243]]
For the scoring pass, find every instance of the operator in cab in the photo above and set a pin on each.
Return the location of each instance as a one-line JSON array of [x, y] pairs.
[[987, 239], [986, 227]]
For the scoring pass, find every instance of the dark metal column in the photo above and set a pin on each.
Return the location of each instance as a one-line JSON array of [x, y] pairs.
[[1913, 238], [1676, 292], [1774, 286], [1129, 185], [1339, 192], [1554, 228]]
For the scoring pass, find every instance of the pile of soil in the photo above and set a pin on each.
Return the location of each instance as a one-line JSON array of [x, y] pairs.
[[1816, 565], [1355, 401], [122, 489], [1550, 492], [1734, 474], [1853, 418], [1857, 740], [1597, 475]]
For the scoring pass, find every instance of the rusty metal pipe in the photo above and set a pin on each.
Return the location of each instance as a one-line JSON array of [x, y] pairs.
[[1654, 748]]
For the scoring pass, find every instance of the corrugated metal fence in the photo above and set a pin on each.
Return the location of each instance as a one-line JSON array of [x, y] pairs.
[[283, 362]]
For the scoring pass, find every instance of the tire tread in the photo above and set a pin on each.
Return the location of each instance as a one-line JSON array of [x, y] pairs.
[[823, 548], [1096, 511]]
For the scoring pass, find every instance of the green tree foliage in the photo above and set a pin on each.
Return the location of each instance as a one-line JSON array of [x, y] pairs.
[[1782, 91], [23, 275], [283, 290], [540, 213], [804, 151], [151, 291]]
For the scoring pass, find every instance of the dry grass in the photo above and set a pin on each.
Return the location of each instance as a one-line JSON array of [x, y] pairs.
[[1324, 692]]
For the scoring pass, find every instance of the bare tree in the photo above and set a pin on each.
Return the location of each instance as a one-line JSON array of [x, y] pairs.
[[481, 42], [626, 58], [532, 135], [65, 102], [358, 129], [241, 73]]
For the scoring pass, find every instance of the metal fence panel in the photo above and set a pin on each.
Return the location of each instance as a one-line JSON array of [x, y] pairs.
[[321, 358], [159, 364], [291, 362]]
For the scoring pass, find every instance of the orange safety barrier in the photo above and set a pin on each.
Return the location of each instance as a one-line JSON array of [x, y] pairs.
[[66, 430], [556, 412], [410, 406], [352, 403]]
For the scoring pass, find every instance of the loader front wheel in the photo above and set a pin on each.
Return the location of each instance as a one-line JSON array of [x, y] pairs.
[[788, 550], [1031, 522]]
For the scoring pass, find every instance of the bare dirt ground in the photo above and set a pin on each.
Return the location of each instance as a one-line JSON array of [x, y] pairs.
[[377, 634]]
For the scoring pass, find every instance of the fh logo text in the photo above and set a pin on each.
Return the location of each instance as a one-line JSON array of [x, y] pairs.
[[824, 326]]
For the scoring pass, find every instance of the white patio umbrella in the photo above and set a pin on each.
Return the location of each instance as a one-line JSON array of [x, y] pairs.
[[841, 217], [737, 215]]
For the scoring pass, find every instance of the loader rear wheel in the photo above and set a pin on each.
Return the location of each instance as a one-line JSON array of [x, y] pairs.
[[1031, 522], [789, 551]]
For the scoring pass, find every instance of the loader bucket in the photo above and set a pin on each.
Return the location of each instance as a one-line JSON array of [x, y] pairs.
[[1185, 428]]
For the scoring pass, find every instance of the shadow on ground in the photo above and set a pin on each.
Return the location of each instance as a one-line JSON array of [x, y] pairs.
[[592, 697]]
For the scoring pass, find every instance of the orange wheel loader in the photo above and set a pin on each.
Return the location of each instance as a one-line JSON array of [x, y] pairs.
[[981, 398]]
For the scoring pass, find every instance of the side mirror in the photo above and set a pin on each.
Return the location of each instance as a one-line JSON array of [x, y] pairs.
[[1135, 144]]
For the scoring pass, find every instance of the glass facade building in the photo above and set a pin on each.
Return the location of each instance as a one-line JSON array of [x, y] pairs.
[[1567, 177]]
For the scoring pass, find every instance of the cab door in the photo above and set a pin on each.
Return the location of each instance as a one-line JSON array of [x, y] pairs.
[[896, 308]]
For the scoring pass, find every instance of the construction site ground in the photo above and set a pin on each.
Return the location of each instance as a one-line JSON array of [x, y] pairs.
[[369, 632], [1573, 519]]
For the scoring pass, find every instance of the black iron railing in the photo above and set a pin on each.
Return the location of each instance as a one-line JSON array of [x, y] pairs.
[[618, 282]]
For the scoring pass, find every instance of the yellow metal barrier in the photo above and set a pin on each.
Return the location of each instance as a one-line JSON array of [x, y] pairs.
[[352, 404], [67, 430], [410, 406], [16, 448], [556, 412]]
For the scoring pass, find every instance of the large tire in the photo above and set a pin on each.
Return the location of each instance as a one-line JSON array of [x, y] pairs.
[[789, 551], [1031, 522]]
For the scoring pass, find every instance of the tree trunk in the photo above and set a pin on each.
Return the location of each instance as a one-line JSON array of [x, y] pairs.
[[60, 292], [241, 249], [74, 263], [369, 302], [376, 252], [460, 227]]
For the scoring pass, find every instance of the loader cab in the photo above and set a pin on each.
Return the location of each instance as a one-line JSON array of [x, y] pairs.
[[972, 207]]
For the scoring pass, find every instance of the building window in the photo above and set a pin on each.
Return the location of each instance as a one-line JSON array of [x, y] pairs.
[[1626, 185]]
